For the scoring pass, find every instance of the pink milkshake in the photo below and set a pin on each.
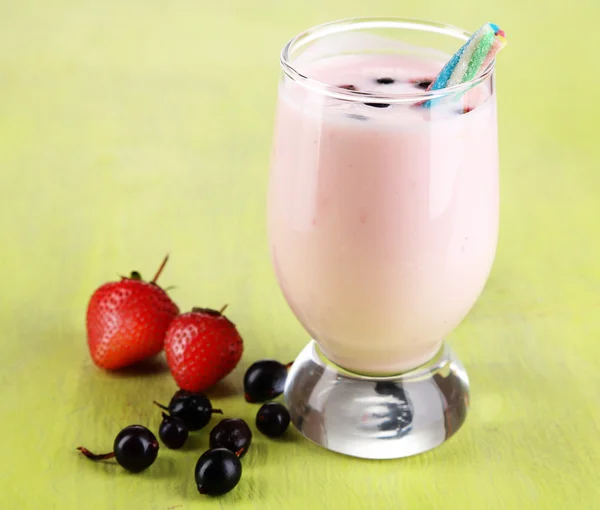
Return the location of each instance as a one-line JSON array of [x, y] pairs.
[[383, 216]]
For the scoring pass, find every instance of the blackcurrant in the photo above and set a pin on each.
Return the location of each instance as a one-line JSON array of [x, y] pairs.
[[378, 105], [398, 414], [423, 84], [272, 419], [233, 434], [135, 448], [217, 472], [194, 409], [389, 388], [264, 380], [173, 432]]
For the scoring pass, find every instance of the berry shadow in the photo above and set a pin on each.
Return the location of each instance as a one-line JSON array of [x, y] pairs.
[[291, 435], [153, 366], [251, 488], [223, 389], [162, 469], [196, 442]]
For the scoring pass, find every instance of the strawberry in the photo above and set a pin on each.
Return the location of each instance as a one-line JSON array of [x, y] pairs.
[[202, 347], [127, 321]]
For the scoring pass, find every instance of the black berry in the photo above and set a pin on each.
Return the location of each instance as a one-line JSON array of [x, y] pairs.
[[398, 413], [233, 434], [217, 472], [264, 380], [272, 419], [386, 80], [389, 388], [194, 409], [173, 432], [423, 84], [378, 105], [135, 448]]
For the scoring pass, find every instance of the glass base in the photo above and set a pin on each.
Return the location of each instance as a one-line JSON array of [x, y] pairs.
[[377, 417]]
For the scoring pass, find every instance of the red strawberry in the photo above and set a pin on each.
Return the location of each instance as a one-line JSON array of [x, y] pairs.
[[127, 321], [202, 347]]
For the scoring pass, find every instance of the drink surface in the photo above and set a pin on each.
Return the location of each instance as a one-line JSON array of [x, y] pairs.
[[382, 219]]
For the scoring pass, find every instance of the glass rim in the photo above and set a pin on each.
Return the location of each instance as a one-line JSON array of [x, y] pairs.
[[349, 24]]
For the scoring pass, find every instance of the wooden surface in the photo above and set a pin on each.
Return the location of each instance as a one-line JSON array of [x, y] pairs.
[[129, 128]]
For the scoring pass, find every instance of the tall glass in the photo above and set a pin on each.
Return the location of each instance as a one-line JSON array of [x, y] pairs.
[[383, 223]]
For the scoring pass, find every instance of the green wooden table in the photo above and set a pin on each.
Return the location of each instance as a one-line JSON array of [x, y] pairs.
[[132, 128]]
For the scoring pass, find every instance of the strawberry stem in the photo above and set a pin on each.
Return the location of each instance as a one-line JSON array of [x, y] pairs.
[[160, 405], [160, 269], [93, 456], [207, 311], [223, 309]]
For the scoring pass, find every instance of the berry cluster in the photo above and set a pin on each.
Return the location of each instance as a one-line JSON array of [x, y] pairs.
[[219, 469], [422, 84]]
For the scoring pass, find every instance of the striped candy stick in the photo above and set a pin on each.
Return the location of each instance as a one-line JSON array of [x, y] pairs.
[[473, 57]]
